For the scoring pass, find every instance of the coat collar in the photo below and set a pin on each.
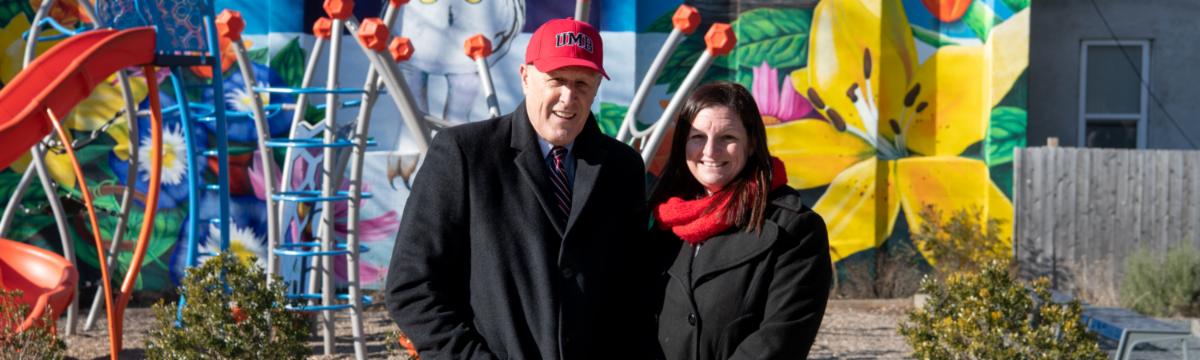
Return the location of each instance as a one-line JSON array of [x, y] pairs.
[[589, 155], [735, 246]]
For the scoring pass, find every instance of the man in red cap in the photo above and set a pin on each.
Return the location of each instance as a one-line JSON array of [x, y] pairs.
[[521, 237]]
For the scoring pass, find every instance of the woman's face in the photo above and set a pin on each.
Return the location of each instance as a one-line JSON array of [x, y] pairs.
[[717, 147]]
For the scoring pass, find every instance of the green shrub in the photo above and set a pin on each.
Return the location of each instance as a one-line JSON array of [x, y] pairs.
[[963, 243], [37, 342], [240, 318], [1163, 285], [989, 315]]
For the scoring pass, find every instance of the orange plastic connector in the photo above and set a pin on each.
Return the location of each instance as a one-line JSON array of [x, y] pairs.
[[399, 2], [339, 9], [230, 24], [720, 39], [373, 33], [401, 49], [686, 19], [477, 47], [323, 28]]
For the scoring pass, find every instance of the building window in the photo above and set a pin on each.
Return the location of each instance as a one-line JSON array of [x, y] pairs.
[[1113, 80]]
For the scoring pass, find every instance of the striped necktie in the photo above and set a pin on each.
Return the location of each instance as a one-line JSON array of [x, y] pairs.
[[558, 177]]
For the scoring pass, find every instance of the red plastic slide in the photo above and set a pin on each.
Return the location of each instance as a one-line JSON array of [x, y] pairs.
[[50, 87], [61, 78], [46, 280]]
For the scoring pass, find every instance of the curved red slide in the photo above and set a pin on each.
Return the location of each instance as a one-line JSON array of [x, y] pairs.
[[54, 84], [45, 279], [61, 78]]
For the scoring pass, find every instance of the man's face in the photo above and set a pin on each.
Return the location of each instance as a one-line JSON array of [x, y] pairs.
[[558, 102]]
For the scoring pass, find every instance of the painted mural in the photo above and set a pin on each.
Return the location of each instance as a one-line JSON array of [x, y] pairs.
[[879, 107]]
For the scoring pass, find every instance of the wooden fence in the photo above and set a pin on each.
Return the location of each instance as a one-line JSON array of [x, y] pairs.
[[1081, 212]]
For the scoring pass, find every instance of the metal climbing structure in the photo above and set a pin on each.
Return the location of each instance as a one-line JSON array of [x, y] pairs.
[[301, 213]]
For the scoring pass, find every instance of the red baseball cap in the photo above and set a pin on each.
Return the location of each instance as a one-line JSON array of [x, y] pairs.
[[566, 42]]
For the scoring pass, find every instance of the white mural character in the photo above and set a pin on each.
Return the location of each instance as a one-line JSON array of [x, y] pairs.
[[438, 29]]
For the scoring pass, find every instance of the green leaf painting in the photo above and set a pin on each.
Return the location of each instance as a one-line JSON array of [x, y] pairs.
[[1018, 95], [980, 18], [610, 118], [681, 62], [12, 9], [1017, 5], [934, 38], [167, 225], [1002, 176], [26, 227], [258, 55], [1006, 133], [778, 37], [34, 195], [663, 23], [289, 63]]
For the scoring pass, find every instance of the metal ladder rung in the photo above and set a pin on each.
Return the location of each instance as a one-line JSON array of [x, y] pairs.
[[286, 249], [314, 143], [366, 301], [311, 90], [314, 196], [345, 104], [176, 107], [270, 110]]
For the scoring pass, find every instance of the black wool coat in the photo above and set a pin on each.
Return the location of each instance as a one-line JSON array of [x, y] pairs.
[[480, 271], [746, 295]]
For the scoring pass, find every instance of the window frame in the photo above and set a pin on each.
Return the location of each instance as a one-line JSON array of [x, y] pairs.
[[1141, 117]]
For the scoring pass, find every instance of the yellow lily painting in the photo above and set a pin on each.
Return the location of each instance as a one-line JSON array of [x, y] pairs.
[[893, 129]]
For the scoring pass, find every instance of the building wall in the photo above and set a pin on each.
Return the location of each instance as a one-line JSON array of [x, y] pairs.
[[931, 123], [1058, 27]]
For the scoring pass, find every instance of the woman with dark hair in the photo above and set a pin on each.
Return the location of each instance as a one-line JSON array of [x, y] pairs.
[[745, 265]]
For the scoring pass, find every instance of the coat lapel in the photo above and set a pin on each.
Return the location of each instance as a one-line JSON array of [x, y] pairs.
[[732, 249], [531, 165]]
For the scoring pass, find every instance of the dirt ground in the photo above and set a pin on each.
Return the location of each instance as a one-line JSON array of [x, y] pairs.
[[851, 329], [138, 322]]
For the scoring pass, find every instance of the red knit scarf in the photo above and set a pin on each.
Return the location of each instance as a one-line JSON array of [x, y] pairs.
[[690, 221]]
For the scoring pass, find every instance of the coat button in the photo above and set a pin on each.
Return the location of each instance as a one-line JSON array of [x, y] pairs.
[[692, 319]]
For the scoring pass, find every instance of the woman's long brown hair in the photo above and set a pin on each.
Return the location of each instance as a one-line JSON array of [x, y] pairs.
[[750, 187]]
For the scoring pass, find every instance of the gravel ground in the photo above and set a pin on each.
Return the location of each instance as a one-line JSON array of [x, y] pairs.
[[851, 329], [862, 329]]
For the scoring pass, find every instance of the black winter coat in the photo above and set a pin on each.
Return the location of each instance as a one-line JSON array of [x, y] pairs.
[[746, 295], [480, 271]]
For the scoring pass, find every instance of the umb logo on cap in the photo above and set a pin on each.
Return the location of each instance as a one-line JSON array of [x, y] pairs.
[[570, 38]]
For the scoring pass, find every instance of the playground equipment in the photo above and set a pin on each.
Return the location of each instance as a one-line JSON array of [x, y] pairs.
[[341, 144], [684, 22], [52, 85], [478, 48], [300, 218], [46, 280], [719, 41], [39, 165]]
